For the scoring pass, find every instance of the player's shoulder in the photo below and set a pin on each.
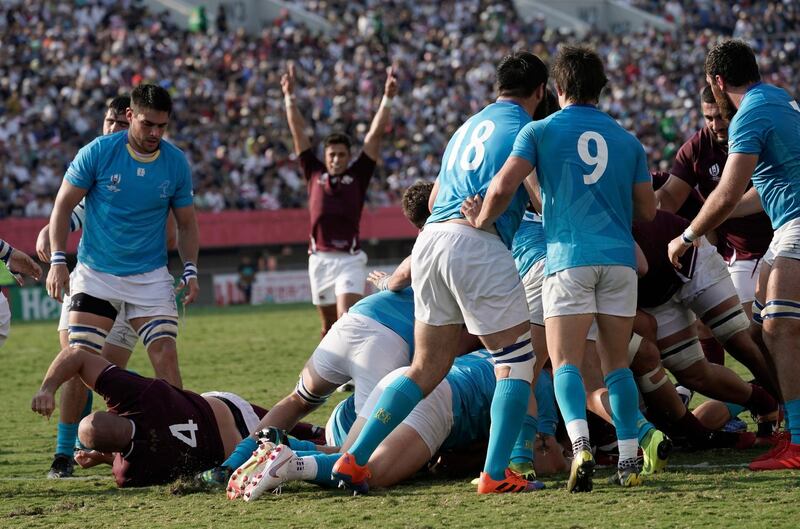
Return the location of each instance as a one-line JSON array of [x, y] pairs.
[[107, 142], [171, 150]]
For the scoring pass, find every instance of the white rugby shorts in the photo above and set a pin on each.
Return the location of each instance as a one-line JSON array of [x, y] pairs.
[[744, 274], [5, 319], [432, 418], [464, 275], [590, 290], [710, 285], [785, 242], [141, 295], [336, 273], [121, 333], [359, 348]]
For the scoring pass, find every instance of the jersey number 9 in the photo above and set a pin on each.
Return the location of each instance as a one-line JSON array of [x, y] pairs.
[[599, 160]]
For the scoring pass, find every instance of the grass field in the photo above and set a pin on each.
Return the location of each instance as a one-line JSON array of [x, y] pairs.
[[258, 353]]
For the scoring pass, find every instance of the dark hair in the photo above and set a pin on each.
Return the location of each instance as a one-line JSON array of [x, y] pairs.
[[707, 95], [547, 106], [734, 61], [520, 74], [119, 104], [337, 138], [415, 202], [579, 73], [151, 96]]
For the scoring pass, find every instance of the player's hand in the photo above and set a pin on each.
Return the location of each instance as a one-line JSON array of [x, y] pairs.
[[92, 458], [57, 282], [43, 403], [676, 249], [43, 244], [390, 88], [378, 279], [21, 263], [471, 209], [192, 290], [287, 80]]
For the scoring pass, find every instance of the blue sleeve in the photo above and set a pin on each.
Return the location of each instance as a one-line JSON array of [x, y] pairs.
[[81, 171], [642, 171], [525, 144], [183, 189], [748, 132]]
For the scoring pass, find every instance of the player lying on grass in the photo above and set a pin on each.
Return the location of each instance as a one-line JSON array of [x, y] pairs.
[[152, 432], [455, 414]]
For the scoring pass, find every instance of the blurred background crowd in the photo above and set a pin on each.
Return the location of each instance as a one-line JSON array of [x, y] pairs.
[[60, 62]]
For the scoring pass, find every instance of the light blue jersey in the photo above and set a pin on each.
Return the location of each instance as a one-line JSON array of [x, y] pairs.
[[472, 381], [529, 245], [127, 203], [394, 310], [587, 166], [768, 124], [474, 154]]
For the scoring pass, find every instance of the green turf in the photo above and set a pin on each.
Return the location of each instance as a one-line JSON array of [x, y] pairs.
[[258, 353]]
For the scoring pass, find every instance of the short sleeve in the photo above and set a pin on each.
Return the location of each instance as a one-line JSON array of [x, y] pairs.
[[183, 189], [82, 170], [309, 163], [363, 169], [642, 172], [684, 163], [525, 144], [120, 388], [748, 132]]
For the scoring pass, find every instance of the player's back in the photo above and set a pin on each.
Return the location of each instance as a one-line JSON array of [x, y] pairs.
[[768, 124], [472, 381], [474, 154], [529, 245], [394, 310], [587, 165]]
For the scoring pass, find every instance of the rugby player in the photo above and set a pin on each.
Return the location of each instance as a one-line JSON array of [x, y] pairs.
[[375, 337], [336, 193], [466, 276], [455, 414], [153, 432], [762, 148], [131, 181], [17, 263], [589, 200]]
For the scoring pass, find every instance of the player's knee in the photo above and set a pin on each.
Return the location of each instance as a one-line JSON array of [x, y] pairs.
[[88, 337], [728, 324], [652, 380], [160, 333], [694, 376], [646, 358], [86, 432], [757, 320], [104, 431], [515, 361]]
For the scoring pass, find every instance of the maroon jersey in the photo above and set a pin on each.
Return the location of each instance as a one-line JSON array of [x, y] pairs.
[[175, 434], [691, 207], [699, 163], [335, 202], [662, 279]]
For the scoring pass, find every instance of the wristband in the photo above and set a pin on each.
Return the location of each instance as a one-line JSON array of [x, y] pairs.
[[386, 102], [58, 258], [688, 236], [383, 284], [189, 272], [5, 251], [288, 99]]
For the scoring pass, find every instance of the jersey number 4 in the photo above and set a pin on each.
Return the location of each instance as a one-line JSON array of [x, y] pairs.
[[180, 431], [598, 160], [475, 150]]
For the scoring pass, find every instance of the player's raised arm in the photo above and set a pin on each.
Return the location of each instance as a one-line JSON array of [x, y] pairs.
[[372, 141], [297, 125], [67, 364], [67, 199]]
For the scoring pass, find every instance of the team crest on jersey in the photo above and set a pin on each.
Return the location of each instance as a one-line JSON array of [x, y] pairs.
[[714, 171], [323, 178], [140, 171], [115, 179], [164, 187], [347, 179]]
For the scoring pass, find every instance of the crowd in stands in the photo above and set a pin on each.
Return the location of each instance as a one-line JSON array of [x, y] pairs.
[[61, 62]]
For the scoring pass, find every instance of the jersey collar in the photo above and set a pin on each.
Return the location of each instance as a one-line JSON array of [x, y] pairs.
[[139, 158]]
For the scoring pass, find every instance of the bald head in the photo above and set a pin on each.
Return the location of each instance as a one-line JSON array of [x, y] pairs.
[[106, 432]]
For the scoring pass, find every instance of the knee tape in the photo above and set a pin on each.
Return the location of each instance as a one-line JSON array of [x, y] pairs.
[[757, 309], [518, 357], [87, 337], [683, 354], [646, 384], [728, 324], [156, 329], [781, 308], [311, 398], [633, 347]]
